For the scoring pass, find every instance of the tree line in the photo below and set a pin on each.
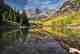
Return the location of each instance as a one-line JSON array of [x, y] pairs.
[[9, 14]]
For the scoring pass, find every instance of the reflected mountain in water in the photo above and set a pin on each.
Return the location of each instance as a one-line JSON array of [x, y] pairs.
[[21, 41]]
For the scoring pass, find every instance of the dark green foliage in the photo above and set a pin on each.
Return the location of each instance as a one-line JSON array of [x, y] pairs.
[[25, 19], [8, 14]]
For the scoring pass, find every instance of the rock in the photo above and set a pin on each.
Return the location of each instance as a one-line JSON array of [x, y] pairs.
[[48, 47]]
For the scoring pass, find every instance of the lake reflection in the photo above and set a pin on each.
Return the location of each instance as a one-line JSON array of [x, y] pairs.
[[15, 39], [13, 35]]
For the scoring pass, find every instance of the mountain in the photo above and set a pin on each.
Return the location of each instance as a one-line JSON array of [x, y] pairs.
[[67, 8]]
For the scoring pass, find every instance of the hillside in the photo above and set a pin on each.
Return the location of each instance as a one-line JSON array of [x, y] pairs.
[[67, 8], [63, 25]]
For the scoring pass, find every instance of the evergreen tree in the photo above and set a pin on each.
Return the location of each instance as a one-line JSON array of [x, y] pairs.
[[4, 12], [9, 14], [25, 19]]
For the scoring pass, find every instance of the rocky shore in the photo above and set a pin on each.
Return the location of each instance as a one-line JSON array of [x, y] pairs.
[[42, 47]]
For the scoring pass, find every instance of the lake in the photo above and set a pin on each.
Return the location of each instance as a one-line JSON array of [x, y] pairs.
[[20, 41]]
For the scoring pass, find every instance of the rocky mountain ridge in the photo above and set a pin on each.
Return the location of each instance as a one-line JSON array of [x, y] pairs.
[[67, 8]]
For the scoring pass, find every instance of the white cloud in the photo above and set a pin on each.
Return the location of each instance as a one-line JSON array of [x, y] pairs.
[[44, 4]]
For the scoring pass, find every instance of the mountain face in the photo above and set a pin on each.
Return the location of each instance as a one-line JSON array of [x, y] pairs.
[[71, 5], [67, 8]]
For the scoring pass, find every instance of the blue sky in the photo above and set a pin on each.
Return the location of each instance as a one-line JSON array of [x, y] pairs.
[[26, 4]]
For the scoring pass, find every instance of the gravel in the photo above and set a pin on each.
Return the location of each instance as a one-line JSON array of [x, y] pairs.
[[40, 47]]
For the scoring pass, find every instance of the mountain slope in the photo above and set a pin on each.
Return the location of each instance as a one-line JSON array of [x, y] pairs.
[[68, 8]]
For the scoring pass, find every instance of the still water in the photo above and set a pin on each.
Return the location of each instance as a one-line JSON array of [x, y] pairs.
[[20, 41]]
